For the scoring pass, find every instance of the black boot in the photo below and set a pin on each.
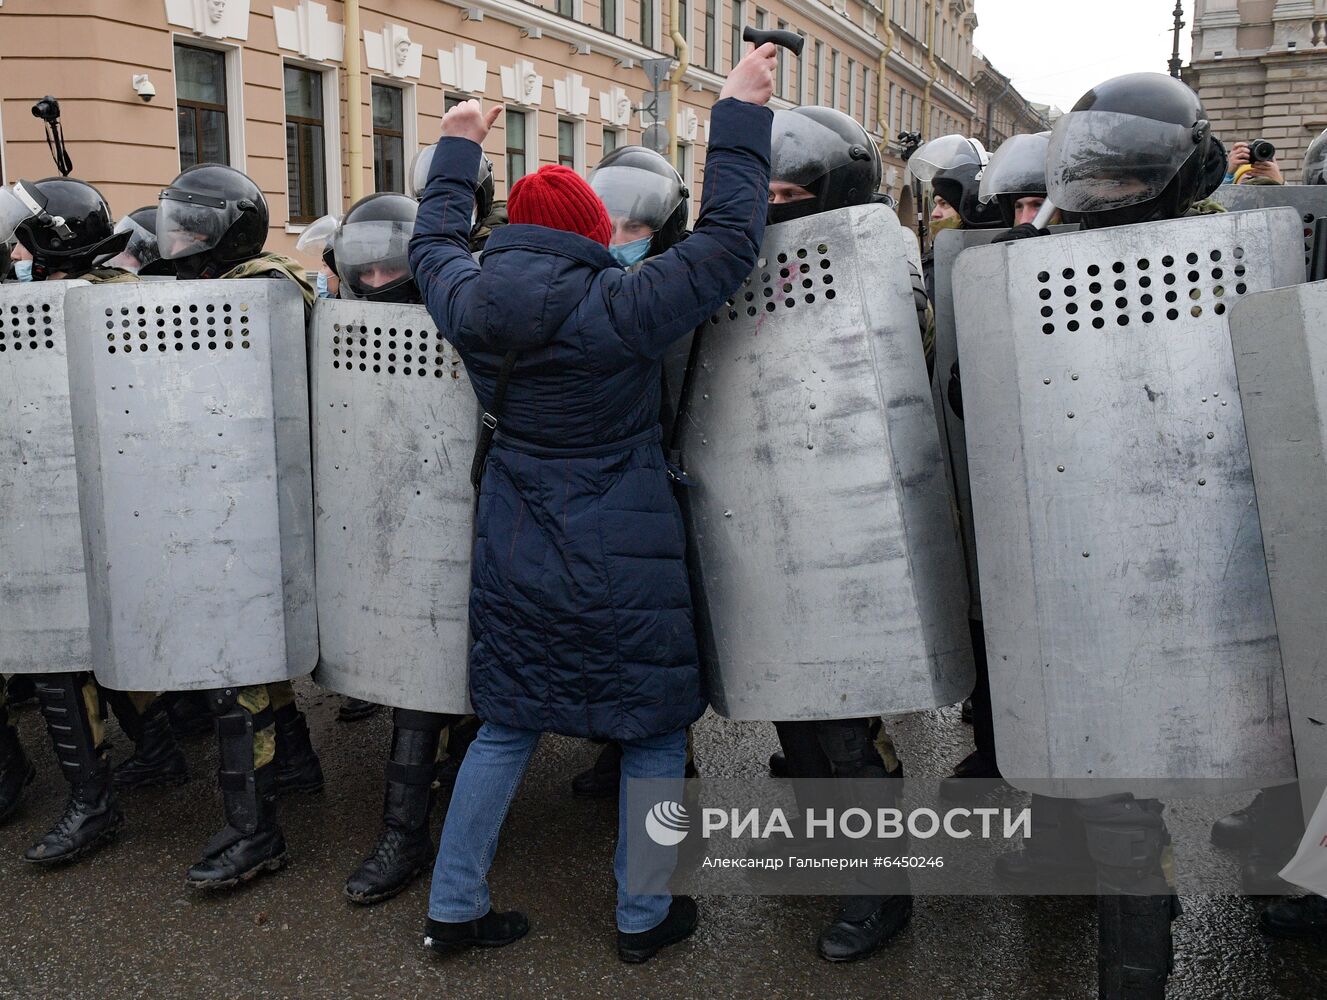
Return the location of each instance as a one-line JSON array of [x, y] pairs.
[[1235, 831], [1304, 917], [1276, 826], [677, 926], [863, 924], [1055, 855], [404, 848], [90, 818], [1126, 838], [356, 710], [976, 775], [157, 758], [297, 766], [601, 780], [190, 715], [251, 842], [16, 771], [778, 764], [20, 690], [492, 930]]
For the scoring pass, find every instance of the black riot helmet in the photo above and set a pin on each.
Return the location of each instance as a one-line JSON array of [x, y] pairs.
[[1017, 170], [1315, 158], [370, 250], [419, 177], [827, 153], [961, 186], [141, 254], [212, 218], [640, 185], [69, 226], [1136, 148]]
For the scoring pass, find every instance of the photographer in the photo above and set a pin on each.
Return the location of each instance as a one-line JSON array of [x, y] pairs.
[[1253, 163]]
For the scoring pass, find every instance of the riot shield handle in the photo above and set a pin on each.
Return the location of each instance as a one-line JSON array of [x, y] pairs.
[[788, 39]]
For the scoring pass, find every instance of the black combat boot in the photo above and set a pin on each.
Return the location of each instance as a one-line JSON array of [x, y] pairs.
[[16, 771], [90, 818], [1302, 917], [1126, 838], [356, 710], [1276, 826], [1054, 855], [297, 765], [600, 780], [404, 848], [679, 925], [864, 924], [250, 843], [492, 930], [157, 758], [20, 689], [190, 715]]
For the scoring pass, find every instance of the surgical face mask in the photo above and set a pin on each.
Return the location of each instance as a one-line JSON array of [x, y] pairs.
[[631, 253], [323, 291], [23, 270]]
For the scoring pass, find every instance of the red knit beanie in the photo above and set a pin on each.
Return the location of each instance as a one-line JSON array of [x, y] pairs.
[[555, 196]]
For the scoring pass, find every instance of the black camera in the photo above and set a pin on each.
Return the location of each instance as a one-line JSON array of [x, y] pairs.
[[1261, 151], [47, 109]]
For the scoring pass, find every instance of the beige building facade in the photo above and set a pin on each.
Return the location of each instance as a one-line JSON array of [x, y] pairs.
[[148, 87], [1260, 67]]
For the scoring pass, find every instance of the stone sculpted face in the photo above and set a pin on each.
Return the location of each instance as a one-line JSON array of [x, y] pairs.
[[531, 82], [216, 10], [624, 109], [402, 51]]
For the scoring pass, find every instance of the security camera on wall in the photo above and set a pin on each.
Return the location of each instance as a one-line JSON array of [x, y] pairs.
[[143, 88]]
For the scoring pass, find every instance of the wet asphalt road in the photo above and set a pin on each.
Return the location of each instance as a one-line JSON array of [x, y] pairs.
[[122, 924]]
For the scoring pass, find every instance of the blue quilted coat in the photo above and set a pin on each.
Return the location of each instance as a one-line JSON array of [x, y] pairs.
[[580, 608]]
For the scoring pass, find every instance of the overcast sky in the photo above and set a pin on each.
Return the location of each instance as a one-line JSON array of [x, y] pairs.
[[1057, 50]]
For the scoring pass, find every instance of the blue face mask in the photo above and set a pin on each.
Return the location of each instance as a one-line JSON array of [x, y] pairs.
[[23, 270], [323, 291], [631, 253]]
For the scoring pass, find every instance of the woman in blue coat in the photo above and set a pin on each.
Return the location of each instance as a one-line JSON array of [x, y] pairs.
[[580, 609]]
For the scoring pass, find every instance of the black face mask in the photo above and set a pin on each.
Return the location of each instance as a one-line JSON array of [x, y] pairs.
[[789, 210], [404, 291]]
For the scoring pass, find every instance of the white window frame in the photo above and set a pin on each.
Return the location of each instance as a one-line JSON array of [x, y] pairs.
[[577, 142], [852, 88], [235, 118], [619, 133], [744, 12], [688, 157], [835, 66], [818, 71], [331, 134], [531, 141], [4, 160], [409, 118]]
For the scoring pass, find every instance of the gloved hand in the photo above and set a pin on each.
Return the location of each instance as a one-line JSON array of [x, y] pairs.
[[955, 393], [1024, 232]]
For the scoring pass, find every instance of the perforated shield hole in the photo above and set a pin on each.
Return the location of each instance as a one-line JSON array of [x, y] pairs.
[[208, 326], [26, 328], [1120, 294], [790, 279], [1309, 219], [402, 352]]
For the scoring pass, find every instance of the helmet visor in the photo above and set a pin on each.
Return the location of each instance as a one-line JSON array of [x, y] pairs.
[[316, 235], [1103, 160], [12, 213], [371, 256], [1018, 167], [189, 224], [636, 195], [141, 249], [419, 171], [802, 150], [944, 153]]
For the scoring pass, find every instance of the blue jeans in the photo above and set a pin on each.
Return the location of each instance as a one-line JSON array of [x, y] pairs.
[[490, 774]]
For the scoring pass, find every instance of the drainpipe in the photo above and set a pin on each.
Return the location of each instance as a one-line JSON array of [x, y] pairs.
[[354, 102], [931, 13], [683, 53], [882, 87]]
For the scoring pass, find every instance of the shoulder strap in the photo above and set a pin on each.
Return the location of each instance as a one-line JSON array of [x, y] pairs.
[[489, 427]]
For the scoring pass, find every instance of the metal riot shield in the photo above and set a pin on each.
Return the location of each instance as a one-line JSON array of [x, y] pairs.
[[191, 432], [1280, 341], [949, 243], [824, 551], [43, 590], [1309, 200], [393, 434], [1127, 612]]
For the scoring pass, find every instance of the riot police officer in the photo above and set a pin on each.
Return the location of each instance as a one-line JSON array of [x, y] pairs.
[[1315, 159], [212, 222], [822, 160], [70, 229], [141, 256]]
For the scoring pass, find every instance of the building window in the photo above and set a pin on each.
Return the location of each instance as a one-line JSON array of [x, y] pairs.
[[608, 16], [683, 24], [683, 162], [306, 159], [516, 147], [833, 101], [612, 140], [889, 112], [866, 98], [567, 8], [781, 66], [388, 138], [711, 34], [817, 78], [647, 23], [450, 101], [735, 31], [200, 94], [852, 88], [567, 144], [799, 74]]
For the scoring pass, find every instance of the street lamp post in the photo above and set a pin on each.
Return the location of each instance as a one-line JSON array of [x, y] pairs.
[[1175, 61]]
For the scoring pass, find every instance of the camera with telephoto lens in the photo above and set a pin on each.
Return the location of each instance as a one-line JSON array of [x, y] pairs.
[[47, 109], [1261, 151]]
